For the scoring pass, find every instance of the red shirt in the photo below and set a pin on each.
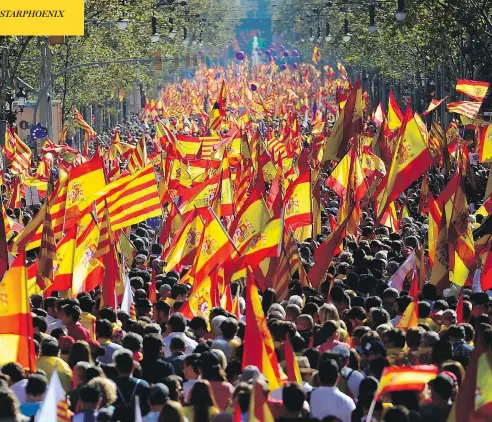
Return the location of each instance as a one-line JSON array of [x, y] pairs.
[[78, 332]]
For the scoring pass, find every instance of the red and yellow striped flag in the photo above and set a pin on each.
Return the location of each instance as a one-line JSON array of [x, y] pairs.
[[316, 56], [467, 108], [16, 329], [47, 253], [138, 158], [18, 153], [259, 409], [81, 123]]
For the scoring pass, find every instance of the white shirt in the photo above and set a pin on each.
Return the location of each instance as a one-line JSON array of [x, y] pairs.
[[187, 386], [330, 401], [53, 325], [19, 389], [396, 320], [189, 343]]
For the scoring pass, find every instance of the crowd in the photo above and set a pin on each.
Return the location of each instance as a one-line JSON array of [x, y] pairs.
[[158, 365]]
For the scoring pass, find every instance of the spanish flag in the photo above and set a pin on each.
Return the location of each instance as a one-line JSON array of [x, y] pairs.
[[291, 366], [226, 196], [474, 89], [440, 267], [395, 116], [316, 55], [401, 378], [485, 144], [84, 181], [184, 245], [259, 409], [297, 202], [65, 252], [249, 221], [411, 158], [259, 349], [410, 316], [16, 330], [434, 221]]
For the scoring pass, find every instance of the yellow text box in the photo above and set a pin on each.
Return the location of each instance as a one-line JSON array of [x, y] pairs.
[[41, 17]]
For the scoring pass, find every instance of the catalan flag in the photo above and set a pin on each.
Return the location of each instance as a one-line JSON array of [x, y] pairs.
[[16, 329], [81, 123], [47, 253], [467, 108], [138, 158], [477, 90], [18, 153]]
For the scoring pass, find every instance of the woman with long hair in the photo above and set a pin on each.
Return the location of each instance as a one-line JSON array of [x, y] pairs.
[[212, 371], [172, 411], [80, 352], [202, 406]]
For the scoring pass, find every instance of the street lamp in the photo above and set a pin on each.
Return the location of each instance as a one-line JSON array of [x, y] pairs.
[[311, 35], [372, 27], [185, 36], [122, 24], [319, 33], [155, 37], [21, 98], [328, 35], [346, 34], [172, 31], [400, 14]]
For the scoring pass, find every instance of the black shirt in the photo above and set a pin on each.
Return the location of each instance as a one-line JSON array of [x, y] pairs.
[[154, 371]]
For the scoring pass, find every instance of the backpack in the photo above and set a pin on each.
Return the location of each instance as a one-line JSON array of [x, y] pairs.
[[343, 384]]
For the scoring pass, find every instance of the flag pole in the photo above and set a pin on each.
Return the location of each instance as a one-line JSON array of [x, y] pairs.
[[371, 410]]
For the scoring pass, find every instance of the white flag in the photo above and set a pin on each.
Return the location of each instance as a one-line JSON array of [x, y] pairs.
[[49, 408]]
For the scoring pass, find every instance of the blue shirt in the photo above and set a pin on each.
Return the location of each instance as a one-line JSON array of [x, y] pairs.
[[30, 408]]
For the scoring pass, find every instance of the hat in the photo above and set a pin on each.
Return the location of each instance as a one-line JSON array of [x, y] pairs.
[[443, 385], [304, 365], [65, 343], [96, 349], [342, 351], [251, 374], [375, 347], [159, 393]]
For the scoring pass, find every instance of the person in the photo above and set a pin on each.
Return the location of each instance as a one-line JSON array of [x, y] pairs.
[[211, 371], [327, 399], [293, 398], [127, 386], [158, 396], [108, 395], [35, 390], [49, 360], [80, 352], [79, 380], [177, 357], [87, 320], [176, 326], [18, 378], [70, 316], [154, 369], [90, 398], [171, 411], [331, 332], [104, 334], [228, 344], [351, 377], [9, 407], [202, 406], [437, 410], [191, 371]]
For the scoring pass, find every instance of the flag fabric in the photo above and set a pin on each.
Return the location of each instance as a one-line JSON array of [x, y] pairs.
[[81, 123], [433, 105], [291, 366], [47, 253], [411, 158], [298, 202], [441, 261], [138, 158], [259, 409], [476, 90], [127, 304], [55, 405], [4, 238], [65, 253], [316, 55], [407, 268], [467, 108], [18, 153], [401, 378], [395, 116], [410, 316], [16, 329], [485, 144], [259, 349]]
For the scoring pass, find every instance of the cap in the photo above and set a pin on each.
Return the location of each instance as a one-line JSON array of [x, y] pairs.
[[342, 351], [159, 393], [65, 343], [375, 347], [251, 374]]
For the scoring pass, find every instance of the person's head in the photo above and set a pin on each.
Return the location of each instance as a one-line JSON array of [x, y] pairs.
[[133, 342], [210, 368], [242, 396], [397, 414], [104, 329], [40, 324], [394, 338], [414, 337], [199, 326], [107, 387], [36, 387], [152, 347], [49, 347], [80, 373], [448, 317], [123, 361], [441, 389], [328, 372], [292, 311], [229, 328], [293, 398], [9, 405], [171, 412], [161, 312], [201, 398], [80, 351], [158, 395], [304, 322], [50, 306], [177, 345], [328, 312], [15, 371], [191, 367], [90, 397], [330, 330], [70, 314], [177, 323], [455, 333]]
